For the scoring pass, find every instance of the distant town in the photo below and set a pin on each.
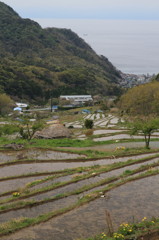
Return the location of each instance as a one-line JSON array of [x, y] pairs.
[[131, 80]]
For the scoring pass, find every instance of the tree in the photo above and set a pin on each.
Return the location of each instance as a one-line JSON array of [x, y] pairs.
[[145, 126], [28, 129], [6, 104], [141, 100]]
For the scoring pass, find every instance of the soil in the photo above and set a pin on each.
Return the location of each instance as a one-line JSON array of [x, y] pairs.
[[150, 236]]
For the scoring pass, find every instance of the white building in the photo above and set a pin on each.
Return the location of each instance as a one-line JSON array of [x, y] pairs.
[[21, 105], [77, 98]]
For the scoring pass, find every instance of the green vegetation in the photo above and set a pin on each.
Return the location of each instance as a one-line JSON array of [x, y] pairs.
[[28, 129], [37, 63], [142, 100], [6, 104], [88, 123], [52, 143], [8, 129], [146, 126], [132, 230]]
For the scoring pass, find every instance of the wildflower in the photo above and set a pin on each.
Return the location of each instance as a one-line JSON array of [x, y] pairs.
[[16, 194], [118, 236], [125, 229], [120, 148]]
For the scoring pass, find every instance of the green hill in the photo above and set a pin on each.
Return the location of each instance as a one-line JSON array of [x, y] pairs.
[[36, 62]]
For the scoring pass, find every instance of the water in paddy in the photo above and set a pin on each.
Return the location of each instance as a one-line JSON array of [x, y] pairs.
[[119, 137], [106, 131], [38, 154], [55, 166], [45, 207], [74, 186], [133, 200], [37, 210], [9, 185]]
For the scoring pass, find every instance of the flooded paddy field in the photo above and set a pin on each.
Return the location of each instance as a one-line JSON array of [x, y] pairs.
[[9, 185], [119, 137], [19, 168], [82, 183], [37, 154], [37, 210], [125, 203], [127, 198]]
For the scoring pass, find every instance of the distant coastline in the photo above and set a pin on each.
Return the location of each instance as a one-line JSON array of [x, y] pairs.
[[131, 45]]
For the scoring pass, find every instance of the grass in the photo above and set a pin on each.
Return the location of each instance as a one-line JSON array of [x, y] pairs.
[[96, 154], [50, 143], [65, 171]]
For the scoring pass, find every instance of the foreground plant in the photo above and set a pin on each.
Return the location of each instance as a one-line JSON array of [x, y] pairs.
[[118, 236], [126, 229], [131, 231]]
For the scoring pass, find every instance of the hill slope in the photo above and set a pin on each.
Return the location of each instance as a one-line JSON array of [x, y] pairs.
[[36, 62]]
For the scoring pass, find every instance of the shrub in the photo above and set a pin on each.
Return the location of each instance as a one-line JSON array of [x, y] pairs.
[[6, 104], [88, 123], [28, 130], [71, 126]]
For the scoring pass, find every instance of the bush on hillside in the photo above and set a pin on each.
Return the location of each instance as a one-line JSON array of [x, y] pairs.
[[88, 123]]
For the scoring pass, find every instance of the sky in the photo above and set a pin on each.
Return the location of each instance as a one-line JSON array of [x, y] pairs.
[[87, 9]]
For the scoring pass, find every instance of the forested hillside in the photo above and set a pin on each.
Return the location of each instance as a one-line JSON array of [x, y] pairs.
[[36, 62]]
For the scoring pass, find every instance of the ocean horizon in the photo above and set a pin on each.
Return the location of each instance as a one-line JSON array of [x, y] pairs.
[[132, 46]]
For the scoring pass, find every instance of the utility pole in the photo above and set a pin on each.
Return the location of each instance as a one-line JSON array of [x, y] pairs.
[[51, 103]]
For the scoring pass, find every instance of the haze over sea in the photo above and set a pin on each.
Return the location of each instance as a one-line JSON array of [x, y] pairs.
[[131, 45]]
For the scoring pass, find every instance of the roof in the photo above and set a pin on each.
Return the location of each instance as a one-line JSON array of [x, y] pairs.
[[53, 131], [17, 109], [86, 110], [75, 96], [21, 104]]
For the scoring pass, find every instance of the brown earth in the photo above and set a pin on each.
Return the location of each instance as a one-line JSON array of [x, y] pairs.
[[150, 236]]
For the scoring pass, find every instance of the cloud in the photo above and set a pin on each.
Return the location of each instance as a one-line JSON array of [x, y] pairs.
[[86, 8]]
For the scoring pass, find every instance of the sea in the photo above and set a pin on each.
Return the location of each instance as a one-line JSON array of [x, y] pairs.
[[132, 46]]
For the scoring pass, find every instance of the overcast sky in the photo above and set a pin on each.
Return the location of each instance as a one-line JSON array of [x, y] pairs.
[[95, 9]]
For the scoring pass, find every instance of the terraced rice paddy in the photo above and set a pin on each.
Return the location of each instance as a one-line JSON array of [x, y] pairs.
[[100, 120], [48, 195], [55, 189]]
